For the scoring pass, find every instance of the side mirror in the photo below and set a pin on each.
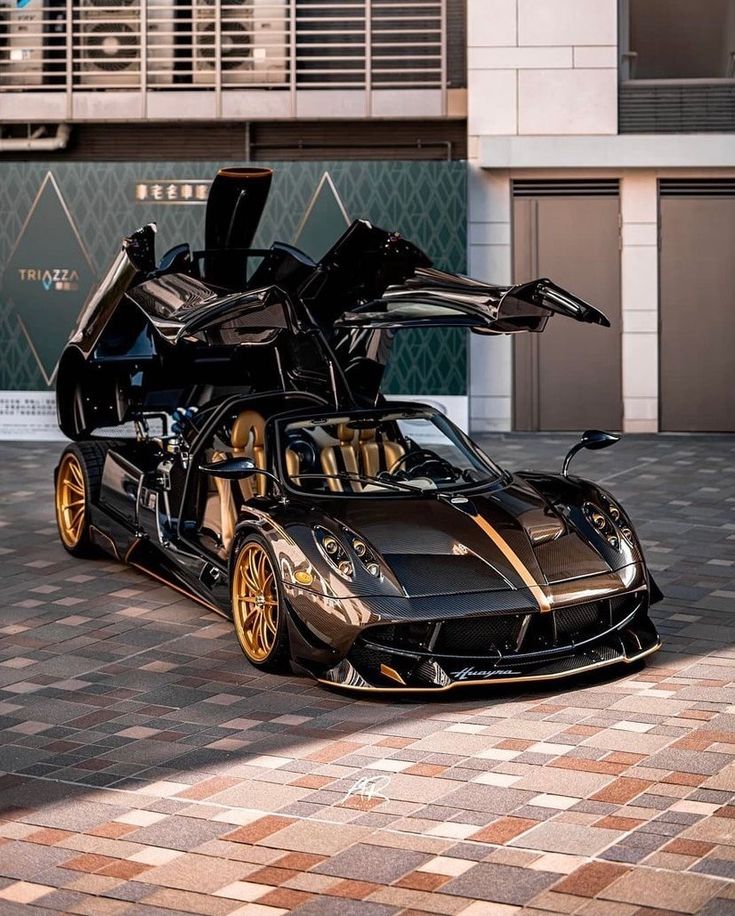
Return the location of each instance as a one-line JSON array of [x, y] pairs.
[[240, 469], [230, 469], [592, 439]]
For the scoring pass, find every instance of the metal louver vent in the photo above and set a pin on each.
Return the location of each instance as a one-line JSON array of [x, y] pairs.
[[696, 106], [697, 187], [570, 187]]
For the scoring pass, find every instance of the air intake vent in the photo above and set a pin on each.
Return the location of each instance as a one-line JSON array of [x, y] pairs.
[[697, 187], [571, 187]]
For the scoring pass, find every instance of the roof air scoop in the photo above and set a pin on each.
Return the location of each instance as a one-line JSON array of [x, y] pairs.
[[235, 204]]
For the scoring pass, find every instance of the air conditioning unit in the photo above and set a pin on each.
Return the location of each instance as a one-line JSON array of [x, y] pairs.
[[253, 43], [21, 44], [161, 41], [108, 44]]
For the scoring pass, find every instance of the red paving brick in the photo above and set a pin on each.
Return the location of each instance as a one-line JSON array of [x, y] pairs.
[[622, 790], [422, 881], [258, 830], [48, 836], [353, 890], [503, 830], [590, 879], [285, 898]]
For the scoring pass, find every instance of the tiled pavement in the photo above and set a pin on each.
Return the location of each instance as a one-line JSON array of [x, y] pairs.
[[146, 769]]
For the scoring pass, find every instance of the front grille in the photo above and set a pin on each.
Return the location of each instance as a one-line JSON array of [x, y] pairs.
[[366, 660], [479, 635], [578, 618], [621, 606], [503, 634]]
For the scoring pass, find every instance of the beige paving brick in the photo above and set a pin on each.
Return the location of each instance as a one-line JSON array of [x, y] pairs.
[[24, 892], [686, 893]]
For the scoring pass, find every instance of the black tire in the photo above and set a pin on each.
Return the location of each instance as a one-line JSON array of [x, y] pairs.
[[89, 458], [277, 656]]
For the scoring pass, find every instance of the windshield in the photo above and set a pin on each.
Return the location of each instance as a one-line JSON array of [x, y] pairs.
[[384, 453]]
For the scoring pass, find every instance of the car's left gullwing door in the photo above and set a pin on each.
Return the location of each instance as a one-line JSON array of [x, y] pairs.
[[182, 307]]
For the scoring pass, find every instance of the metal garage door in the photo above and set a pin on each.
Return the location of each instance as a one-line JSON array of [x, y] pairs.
[[697, 293], [569, 377]]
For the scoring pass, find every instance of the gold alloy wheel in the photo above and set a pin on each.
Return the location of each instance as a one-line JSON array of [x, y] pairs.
[[70, 500], [255, 602]]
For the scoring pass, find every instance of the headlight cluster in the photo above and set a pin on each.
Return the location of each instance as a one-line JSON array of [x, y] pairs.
[[337, 554], [617, 516], [609, 524]]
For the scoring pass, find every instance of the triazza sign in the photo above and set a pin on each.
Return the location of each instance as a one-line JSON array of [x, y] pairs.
[[47, 277]]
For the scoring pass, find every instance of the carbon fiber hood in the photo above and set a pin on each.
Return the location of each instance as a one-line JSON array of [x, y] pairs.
[[502, 539]]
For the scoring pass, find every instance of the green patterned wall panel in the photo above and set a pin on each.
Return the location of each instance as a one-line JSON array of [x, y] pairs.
[[93, 204]]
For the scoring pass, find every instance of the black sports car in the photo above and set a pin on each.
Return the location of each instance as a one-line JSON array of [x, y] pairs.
[[232, 441]]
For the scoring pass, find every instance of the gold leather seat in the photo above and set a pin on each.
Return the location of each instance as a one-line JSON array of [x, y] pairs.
[[247, 441], [341, 458], [378, 454], [293, 465]]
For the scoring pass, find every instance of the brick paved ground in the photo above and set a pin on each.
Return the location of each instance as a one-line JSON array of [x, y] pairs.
[[146, 769]]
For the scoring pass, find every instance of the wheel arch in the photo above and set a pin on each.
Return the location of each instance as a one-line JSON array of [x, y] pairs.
[[244, 529]]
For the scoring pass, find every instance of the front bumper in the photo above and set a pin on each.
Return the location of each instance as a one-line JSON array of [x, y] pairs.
[[498, 649]]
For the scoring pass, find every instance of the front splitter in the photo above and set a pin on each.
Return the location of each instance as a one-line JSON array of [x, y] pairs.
[[345, 682]]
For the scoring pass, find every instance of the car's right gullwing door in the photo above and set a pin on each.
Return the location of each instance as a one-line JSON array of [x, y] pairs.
[[372, 283], [433, 298]]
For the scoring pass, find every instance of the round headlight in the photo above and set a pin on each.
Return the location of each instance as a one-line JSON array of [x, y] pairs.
[[614, 513], [598, 520], [330, 545], [359, 548], [613, 541], [345, 567], [373, 569]]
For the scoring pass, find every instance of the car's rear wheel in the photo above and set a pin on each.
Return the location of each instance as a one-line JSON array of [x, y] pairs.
[[77, 484], [257, 606]]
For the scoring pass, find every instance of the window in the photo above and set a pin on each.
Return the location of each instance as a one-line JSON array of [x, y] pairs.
[[678, 39], [385, 454]]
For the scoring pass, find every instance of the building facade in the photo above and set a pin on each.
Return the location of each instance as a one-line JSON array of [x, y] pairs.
[[114, 113], [598, 137], [602, 153]]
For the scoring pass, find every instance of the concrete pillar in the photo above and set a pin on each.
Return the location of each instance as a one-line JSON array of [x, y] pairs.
[[639, 290], [489, 258]]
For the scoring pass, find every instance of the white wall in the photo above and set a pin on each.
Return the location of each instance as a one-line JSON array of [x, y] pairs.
[[542, 67], [534, 67], [489, 258], [639, 294]]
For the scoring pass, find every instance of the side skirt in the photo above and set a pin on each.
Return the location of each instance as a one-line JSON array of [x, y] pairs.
[[173, 582]]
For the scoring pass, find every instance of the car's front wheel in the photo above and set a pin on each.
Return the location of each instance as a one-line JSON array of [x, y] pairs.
[[257, 606]]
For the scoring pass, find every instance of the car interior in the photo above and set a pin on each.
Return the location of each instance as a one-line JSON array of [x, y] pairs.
[[364, 450], [240, 436], [342, 448]]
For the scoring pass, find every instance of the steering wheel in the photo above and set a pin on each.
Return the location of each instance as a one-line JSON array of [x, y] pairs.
[[413, 463]]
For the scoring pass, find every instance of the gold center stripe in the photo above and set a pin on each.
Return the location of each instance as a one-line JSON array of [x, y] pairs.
[[515, 561]]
